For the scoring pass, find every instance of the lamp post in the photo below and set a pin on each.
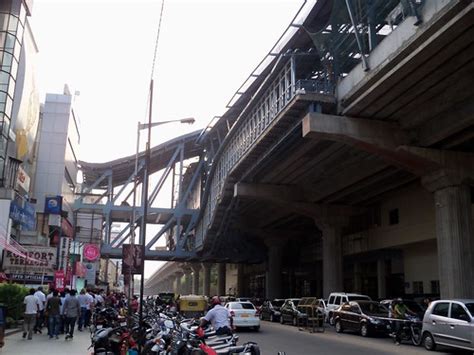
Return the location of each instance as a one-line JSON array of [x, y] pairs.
[[146, 173]]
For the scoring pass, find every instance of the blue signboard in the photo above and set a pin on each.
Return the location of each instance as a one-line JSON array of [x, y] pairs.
[[53, 204], [24, 215]]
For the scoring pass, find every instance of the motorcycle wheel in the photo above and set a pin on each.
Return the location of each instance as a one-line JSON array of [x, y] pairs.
[[416, 336]]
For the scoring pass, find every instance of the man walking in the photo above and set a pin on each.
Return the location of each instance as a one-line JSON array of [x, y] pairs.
[[42, 302], [32, 306], [72, 310], [53, 306], [84, 302]]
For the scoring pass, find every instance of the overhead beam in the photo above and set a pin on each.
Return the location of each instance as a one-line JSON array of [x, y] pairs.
[[380, 138], [161, 255]]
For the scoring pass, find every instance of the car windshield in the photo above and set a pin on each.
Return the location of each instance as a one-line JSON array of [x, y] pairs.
[[236, 305], [372, 308], [358, 298], [470, 307], [277, 303]]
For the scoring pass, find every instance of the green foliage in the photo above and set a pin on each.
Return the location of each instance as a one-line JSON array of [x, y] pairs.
[[12, 296]]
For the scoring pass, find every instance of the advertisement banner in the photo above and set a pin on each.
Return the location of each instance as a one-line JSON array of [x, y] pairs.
[[23, 213], [133, 258], [45, 260], [80, 269], [90, 273], [59, 279], [91, 252], [30, 278], [23, 180], [53, 204], [64, 246]]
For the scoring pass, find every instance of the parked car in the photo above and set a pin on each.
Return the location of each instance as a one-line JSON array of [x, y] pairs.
[[271, 310], [364, 317], [412, 306], [289, 311], [336, 299], [244, 314], [449, 323]]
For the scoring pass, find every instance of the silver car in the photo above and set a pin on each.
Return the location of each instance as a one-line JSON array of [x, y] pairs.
[[449, 323]]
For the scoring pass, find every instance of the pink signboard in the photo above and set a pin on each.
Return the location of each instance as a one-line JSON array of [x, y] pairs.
[[59, 279], [91, 252]]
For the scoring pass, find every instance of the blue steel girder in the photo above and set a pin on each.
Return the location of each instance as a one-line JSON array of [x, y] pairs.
[[133, 177]]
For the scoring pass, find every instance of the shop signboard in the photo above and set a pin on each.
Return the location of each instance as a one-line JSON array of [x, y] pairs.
[[30, 278], [64, 245], [23, 180], [53, 204], [91, 252], [90, 273], [24, 214], [42, 260]]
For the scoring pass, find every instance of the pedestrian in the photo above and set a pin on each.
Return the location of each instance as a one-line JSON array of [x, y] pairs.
[[72, 310], [134, 304], [46, 316], [53, 307], [82, 298], [61, 311], [42, 301], [32, 308]]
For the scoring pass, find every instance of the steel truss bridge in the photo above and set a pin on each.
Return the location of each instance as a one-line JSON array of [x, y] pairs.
[[327, 121]]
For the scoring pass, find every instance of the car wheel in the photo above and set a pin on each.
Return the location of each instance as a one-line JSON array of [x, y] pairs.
[[429, 342], [364, 330], [272, 318], [282, 321], [339, 327], [295, 321]]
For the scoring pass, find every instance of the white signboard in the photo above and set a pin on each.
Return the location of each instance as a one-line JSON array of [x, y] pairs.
[[44, 260], [22, 179]]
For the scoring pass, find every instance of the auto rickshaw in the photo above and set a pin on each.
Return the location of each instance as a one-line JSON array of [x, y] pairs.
[[192, 305]]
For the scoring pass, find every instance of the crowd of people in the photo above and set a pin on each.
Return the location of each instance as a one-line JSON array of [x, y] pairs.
[[59, 311]]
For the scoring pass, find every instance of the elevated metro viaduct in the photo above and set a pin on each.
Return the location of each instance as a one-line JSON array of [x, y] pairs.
[[344, 162]]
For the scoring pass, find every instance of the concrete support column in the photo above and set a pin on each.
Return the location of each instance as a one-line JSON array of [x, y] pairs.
[[332, 259], [187, 282], [196, 269], [221, 270], [454, 232], [357, 278], [206, 279], [381, 279], [273, 272], [240, 280]]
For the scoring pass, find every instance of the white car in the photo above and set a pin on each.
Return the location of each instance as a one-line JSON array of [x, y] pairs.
[[244, 314]]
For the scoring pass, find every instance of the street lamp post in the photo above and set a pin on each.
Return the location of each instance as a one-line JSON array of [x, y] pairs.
[[146, 174]]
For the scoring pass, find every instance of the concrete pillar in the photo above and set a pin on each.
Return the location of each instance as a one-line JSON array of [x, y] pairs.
[[206, 279], [454, 232], [273, 269], [357, 278], [187, 282], [381, 279], [240, 280], [195, 287], [221, 279], [331, 228]]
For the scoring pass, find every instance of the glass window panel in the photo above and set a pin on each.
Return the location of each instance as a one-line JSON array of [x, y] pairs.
[[3, 21], [7, 59], [3, 36], [11, 89], [13, 24], [4, 77], [10, 42]]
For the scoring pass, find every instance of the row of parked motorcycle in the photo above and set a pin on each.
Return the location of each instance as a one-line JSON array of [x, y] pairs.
[[162, 332], [448, 323]]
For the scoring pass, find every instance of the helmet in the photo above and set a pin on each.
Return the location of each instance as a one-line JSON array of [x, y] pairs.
[[215, 300]]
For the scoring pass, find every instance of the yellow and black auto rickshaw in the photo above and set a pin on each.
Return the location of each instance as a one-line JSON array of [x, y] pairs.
[[192, 305]]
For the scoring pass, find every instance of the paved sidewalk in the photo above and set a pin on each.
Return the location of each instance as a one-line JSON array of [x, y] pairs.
[[42, 345]]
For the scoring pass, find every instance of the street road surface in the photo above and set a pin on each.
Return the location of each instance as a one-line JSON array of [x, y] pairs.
[[271, 338], [274, 337]]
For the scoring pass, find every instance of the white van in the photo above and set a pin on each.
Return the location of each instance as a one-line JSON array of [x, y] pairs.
[[336, 299]]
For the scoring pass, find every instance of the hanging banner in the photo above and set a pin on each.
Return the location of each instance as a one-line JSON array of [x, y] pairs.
[[80, 269], [59, 280], [133, 258], [91, 252], [23, 213], [64, 245], [23, 180]]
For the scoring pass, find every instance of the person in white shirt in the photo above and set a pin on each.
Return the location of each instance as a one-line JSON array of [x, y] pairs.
[[32, 305], [42, 300], [84, 303], [219, 317]]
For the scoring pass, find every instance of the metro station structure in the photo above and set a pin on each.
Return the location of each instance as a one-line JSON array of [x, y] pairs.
[[343, 163]]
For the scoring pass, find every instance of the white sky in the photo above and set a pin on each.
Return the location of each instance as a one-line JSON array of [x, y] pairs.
[[104, 49]]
